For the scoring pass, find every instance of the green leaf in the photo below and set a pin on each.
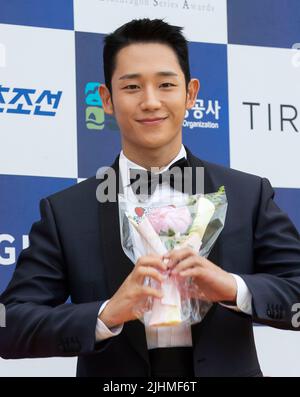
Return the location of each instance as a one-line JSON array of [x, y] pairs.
[[171, 233]]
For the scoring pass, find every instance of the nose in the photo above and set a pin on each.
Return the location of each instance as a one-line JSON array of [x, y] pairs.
[[150, 101]]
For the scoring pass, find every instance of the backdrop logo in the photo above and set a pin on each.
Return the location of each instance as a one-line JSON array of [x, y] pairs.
[[189, 5], [9, 252], [285, 113], [29, 101], [205, 114], [94, 113], [184, 5]]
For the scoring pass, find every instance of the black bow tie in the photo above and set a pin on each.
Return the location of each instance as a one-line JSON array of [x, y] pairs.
[[145, 182]]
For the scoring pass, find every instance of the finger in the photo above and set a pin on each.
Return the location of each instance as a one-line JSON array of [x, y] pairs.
[[141, 272], [190, 262], [190, 272], [155, 261], [144, 306], [148, 291], [196, 260], [177, 255]]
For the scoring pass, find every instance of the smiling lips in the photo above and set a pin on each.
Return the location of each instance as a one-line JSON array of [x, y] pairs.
[[152, 121]]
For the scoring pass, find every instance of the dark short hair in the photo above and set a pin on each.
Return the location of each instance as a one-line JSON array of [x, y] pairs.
[[145, 31]]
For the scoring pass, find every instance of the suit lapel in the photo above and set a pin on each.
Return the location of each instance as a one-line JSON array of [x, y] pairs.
[[117, 265]]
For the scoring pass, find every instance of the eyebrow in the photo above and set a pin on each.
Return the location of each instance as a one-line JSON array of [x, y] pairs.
[[166, 73]]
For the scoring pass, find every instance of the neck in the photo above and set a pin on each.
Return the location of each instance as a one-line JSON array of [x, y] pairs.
[[152, 157]]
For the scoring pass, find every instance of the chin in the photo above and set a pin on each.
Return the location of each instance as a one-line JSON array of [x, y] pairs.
[[154, 144], [156, 140]]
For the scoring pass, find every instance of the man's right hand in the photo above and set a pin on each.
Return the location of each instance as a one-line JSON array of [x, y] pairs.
[[133, 294]]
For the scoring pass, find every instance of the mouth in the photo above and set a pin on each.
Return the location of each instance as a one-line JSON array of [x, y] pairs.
[[152, 121]]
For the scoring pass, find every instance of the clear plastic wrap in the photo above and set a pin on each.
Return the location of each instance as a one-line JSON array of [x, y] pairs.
[[193, 221]]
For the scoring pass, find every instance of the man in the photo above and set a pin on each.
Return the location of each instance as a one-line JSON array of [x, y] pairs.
[[252, 274]]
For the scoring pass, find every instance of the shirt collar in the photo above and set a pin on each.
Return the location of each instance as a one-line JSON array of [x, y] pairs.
[[125, 165]]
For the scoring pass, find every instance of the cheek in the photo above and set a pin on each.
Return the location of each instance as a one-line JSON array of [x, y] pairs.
[[179, 114], [178, 106], [124, 111]]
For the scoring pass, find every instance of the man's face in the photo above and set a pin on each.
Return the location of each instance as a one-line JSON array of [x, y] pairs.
[[149, 96]]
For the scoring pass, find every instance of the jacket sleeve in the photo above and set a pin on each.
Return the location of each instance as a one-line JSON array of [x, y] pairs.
[[38, 321], [275, 284]]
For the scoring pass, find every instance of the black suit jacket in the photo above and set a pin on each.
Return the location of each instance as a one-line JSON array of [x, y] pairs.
[[75, 251]]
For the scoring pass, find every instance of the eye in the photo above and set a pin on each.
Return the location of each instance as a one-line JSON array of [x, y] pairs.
[[167, 85], [131, 87]]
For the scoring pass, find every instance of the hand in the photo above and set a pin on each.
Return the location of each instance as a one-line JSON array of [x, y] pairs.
[[209, 281], [130, 300]]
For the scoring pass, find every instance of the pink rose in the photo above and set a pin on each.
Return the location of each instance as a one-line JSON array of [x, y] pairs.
[[170, 217]]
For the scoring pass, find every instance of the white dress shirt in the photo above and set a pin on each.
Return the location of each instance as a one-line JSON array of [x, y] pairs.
[[179, 335]]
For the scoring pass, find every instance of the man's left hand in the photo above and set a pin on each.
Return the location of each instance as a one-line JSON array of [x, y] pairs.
[[210, 282]]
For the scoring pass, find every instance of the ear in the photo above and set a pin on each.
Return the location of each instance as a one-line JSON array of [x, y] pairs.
[[106, 99], [192, 92]]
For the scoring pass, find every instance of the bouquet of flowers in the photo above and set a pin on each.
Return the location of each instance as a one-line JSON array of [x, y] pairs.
[[196, 222]]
